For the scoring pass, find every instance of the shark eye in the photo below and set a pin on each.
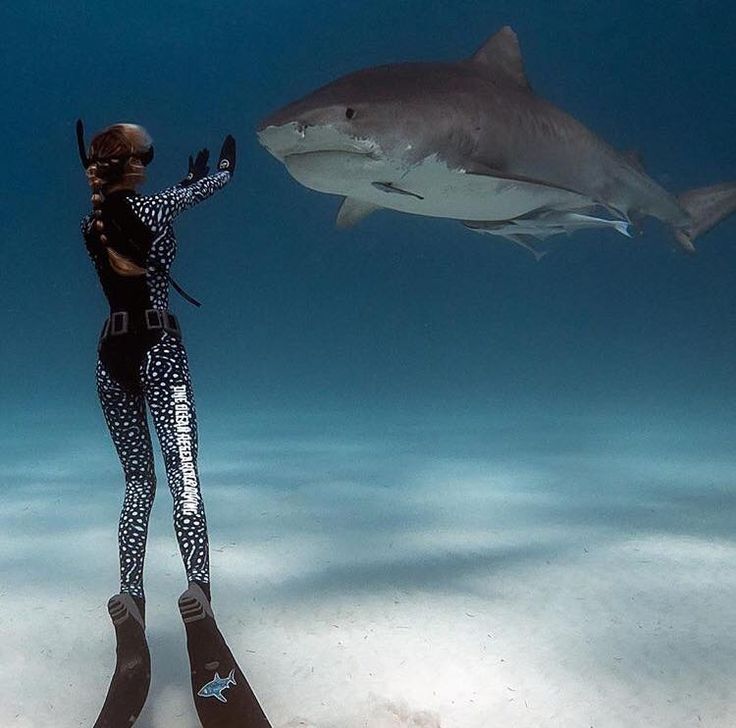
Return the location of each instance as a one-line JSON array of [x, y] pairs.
[[349, 113]]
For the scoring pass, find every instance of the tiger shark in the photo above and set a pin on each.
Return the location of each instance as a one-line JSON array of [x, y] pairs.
[[470, 141]]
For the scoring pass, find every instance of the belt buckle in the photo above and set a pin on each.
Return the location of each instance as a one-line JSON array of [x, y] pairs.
[[171, 324], [154, 318], [118, 323]]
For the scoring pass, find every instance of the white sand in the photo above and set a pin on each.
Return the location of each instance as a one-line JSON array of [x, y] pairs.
[[392, 581]]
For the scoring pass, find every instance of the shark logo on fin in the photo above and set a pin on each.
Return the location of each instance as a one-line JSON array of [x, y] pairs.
[[215, 687]]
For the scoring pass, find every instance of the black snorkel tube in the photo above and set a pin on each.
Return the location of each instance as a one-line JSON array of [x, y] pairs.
[[81, 146]]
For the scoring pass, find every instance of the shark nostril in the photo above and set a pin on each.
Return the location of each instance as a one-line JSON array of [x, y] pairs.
[[301, 128]]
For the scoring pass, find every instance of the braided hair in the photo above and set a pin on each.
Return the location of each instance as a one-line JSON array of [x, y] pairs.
[[116, 159]]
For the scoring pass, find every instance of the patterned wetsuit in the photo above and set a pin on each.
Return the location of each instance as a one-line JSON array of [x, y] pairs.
[[149, 367]]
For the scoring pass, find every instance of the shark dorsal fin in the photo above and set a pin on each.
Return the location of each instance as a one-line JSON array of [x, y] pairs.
[[500, 57]]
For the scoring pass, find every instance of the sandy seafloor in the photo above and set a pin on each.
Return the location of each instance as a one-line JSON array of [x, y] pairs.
[[406, 570]]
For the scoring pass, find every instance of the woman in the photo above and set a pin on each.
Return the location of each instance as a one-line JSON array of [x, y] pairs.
[[142, 363]]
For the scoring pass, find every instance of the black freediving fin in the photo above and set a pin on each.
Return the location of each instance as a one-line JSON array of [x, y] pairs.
[[222, 696], [129, 685]]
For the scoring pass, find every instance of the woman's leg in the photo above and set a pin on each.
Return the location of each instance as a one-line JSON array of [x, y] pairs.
[[168, 391], [125, 415]]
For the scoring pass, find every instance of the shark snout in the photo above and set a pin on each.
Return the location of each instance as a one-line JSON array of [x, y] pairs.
[[298, 114], [284, 139], [280, 119]]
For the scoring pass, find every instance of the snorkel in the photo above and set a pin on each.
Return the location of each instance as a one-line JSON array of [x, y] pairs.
[[145, 158]]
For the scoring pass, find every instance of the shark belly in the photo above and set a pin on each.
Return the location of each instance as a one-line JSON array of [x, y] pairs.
[[429, 187]]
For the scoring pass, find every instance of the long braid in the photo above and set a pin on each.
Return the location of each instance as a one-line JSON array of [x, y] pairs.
[[113, 153]]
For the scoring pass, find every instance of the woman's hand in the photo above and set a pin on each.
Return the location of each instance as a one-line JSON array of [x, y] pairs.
[[226, 162], [197, 168]]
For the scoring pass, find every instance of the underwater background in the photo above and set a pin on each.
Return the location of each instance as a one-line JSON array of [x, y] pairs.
[[445, 484]]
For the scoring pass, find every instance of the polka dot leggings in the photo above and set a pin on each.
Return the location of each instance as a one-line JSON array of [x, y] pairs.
[[165, 386]]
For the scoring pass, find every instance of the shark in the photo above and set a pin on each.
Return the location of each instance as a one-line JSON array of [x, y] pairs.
[[471, 141], [215, 687]]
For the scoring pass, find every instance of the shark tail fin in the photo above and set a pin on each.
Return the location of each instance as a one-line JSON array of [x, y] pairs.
[[707, 206]]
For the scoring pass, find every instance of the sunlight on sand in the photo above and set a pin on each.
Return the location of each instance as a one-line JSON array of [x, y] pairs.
[[392, 584]]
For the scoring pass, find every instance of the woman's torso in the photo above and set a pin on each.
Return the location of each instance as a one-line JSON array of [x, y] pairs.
[[132, 229]]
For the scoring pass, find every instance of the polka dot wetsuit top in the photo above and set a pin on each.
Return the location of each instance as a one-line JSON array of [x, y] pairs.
[[149, 367]]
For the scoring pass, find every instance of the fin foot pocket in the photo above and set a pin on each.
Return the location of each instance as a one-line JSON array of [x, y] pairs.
[[222, 696], [128, 689], [193, 609]]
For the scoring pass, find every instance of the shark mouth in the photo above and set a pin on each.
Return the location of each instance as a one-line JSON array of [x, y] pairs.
[[325, 159], [296, 138]]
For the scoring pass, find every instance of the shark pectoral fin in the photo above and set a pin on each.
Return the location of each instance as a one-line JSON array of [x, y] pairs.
[[352, 211]]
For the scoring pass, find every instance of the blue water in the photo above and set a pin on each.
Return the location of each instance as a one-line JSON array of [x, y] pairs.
[[337, 373]]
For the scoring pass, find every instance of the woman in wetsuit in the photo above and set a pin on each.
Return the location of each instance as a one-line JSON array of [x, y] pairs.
[[142, 364]]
